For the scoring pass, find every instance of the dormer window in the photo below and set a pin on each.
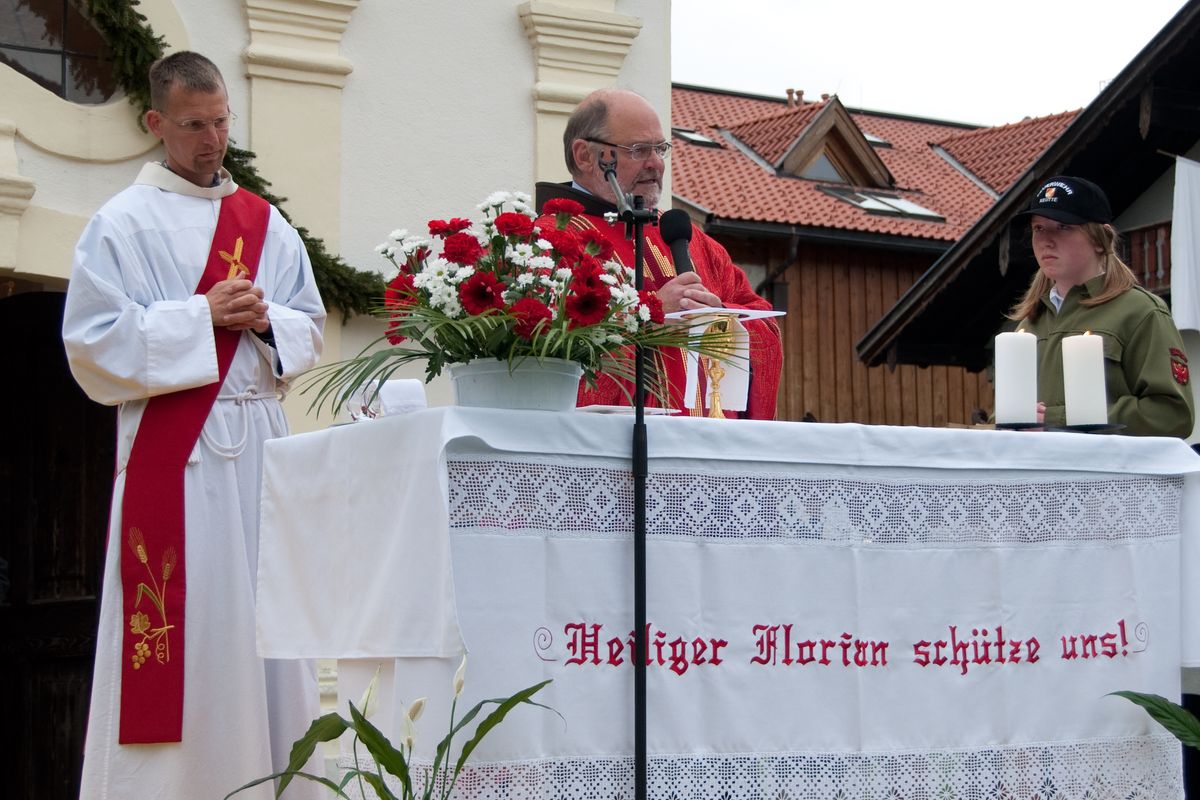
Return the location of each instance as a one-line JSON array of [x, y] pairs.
[[822, 169], [884, 204], [54, 44]]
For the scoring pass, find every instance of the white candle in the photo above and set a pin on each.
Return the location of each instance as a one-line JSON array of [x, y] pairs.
[[1016, 378], [1083, 380]]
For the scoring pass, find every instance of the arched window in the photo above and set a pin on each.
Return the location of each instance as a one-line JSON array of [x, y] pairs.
[[54, 43]]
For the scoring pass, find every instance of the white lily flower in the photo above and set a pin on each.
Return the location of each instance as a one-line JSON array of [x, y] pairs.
[[369, 702], [460, 676], [410, 732]]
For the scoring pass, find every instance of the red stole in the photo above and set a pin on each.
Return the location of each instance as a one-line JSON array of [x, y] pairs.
[[152, 511]]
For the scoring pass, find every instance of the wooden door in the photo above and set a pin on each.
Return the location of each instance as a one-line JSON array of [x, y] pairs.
[[56, 465]]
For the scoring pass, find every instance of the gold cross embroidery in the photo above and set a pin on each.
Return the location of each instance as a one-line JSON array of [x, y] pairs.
[[236, 268]]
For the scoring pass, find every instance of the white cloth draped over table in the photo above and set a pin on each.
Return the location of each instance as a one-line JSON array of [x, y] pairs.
[[134, 329], [509, 532]]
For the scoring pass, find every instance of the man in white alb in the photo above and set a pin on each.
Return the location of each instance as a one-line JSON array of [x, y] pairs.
[[191, 305]]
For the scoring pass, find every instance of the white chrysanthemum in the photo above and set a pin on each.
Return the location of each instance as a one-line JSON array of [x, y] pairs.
[[547, 281], [493, 199], [461, 274], [398, 234], [614, 266], [611, 280], [523, 208], [412, 244], [520, 197], [541, 262], [522, 249], [524, 280], [384, 250], [542, 244], [643, 313], [631, 323], [563, 273]]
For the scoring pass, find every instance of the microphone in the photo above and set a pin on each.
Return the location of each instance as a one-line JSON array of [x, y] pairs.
[[676, 229]]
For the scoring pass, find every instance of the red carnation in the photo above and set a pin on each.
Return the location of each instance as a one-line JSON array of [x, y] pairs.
[[565, 244], [462, 248], [596, 244], [652, 301], [513, 224], [400, 291], [587, 307], [445, 228], [529, 312], [561, 205], [480, 292]]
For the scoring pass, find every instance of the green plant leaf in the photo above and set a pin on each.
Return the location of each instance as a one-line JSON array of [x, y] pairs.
[[381, 750], [378, 784], [495, 718], [288, 775], [1178, 721], [323, 729]]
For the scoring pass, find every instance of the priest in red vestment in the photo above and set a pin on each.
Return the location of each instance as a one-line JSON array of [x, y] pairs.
[[616, 121]]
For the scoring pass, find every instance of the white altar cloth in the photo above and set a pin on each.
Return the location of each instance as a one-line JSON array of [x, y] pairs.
[[818, 597]]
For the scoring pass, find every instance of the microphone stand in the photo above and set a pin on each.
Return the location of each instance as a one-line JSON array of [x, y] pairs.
[[635, 218]]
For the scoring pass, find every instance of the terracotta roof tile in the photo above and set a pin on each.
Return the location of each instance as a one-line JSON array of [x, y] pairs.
[[773, 135], [998, 156], [733, 186]]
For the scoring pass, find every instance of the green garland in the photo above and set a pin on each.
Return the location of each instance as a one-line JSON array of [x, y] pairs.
[[134, 47]]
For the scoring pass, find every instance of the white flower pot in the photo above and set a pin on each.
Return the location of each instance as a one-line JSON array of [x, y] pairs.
[[549, 385]]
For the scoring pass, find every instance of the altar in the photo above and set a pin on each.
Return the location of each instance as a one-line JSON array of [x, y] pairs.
[[833, 610]]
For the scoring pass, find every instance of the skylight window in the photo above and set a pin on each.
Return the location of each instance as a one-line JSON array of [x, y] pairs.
[[687, 134], [878, 203], [876, 141]]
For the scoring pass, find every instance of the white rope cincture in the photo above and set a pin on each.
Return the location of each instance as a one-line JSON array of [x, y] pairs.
[[241, 398]]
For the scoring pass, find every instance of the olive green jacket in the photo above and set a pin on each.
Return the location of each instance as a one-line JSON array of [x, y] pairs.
[[1145, 365]]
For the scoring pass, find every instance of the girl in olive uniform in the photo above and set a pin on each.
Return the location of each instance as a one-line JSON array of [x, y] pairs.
[[1081, 285]]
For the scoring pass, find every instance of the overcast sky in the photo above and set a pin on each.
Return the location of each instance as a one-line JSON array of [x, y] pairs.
[[975, 61]]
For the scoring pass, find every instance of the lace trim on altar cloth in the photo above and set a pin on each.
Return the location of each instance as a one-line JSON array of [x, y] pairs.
[[495, 495], [1145, 768]]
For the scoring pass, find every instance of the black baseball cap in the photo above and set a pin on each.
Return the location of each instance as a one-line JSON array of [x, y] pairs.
[[1071, 200]]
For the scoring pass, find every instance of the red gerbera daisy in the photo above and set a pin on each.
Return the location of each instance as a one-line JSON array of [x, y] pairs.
[[480, 292], [587, 307]]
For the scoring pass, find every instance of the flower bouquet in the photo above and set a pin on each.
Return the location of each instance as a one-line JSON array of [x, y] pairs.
[[509, 288]]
